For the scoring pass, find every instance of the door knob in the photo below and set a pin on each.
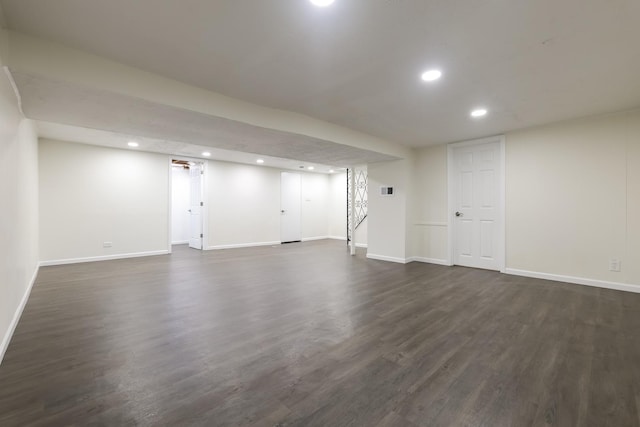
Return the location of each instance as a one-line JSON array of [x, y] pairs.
[[282, 210], [459, 214]]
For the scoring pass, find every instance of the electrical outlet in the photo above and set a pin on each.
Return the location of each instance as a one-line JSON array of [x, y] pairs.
[[614, 265], [107, 244]]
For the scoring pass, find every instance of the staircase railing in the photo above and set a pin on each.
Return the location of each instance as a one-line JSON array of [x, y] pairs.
[[360, 203]]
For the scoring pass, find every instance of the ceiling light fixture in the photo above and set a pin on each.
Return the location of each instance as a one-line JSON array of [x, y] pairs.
[[331, 171], [132, 144], [206, 153], [479, 112], [260, 161], [322, 3], [311, 168], [431, 75]]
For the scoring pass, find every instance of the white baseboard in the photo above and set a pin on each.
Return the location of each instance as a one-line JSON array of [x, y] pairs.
[[241, 245], [4, 345], [180, 242], [575, 280], [358, 245], [387, 258], [102, 258], [430, 260], [309, 239]]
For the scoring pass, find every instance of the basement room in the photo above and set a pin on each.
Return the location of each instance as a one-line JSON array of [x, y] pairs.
[[319, 213]]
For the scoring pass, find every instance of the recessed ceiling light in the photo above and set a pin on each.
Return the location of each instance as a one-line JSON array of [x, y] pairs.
[[322, 3], [479, 112], [132, 144], [206, 153], [331, 171], [260, 161], [311, 168], [431, 75]]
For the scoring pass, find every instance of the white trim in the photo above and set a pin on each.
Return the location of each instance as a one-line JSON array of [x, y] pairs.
[[242, 245], [502, 236], [16, 316], [170, 207], [180, 242], [15, 89], [500, 139], [352, 219], [309, 239], [430, 260], [388, 258], [102, 258], [204, 212], [358, 245], [575, 280], [450, 204], [205, 200]]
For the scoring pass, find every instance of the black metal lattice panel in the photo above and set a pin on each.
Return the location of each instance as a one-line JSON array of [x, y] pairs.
[[361, 201]]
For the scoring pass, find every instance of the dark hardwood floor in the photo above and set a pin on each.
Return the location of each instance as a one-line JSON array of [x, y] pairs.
[[305, 335]]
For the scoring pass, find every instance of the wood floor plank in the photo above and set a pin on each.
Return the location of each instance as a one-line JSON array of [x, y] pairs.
[[306, 335]]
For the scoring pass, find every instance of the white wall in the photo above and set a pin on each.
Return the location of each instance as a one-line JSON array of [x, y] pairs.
[[572, 199], [429, 225], [338, 205], [631, 267], [388, 215], [19, 207], [180, 201], [90, 195], [314, 209], [244, 205], [362, 232]]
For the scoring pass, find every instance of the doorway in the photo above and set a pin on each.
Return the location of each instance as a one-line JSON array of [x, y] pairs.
[[290, 194], [187, 204], [476, 203]]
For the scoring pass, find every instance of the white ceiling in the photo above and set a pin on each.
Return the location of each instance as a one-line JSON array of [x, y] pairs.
[[179, 150], [357, 63], [167, 129]]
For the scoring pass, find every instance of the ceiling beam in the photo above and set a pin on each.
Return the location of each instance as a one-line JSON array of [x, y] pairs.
[[32, 55]]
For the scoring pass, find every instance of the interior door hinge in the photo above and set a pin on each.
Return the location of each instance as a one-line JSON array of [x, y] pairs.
[[201, 236]]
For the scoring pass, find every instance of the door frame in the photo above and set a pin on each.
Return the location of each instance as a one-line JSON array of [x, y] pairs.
[[451, 193], [300, 204], [205, 209]]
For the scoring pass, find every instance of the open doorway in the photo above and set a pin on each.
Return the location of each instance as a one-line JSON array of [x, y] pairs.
[[187, 204]]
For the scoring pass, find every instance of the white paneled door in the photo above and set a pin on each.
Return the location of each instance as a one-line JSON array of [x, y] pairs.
[[195, 206], [477, 205], [290, 194]]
